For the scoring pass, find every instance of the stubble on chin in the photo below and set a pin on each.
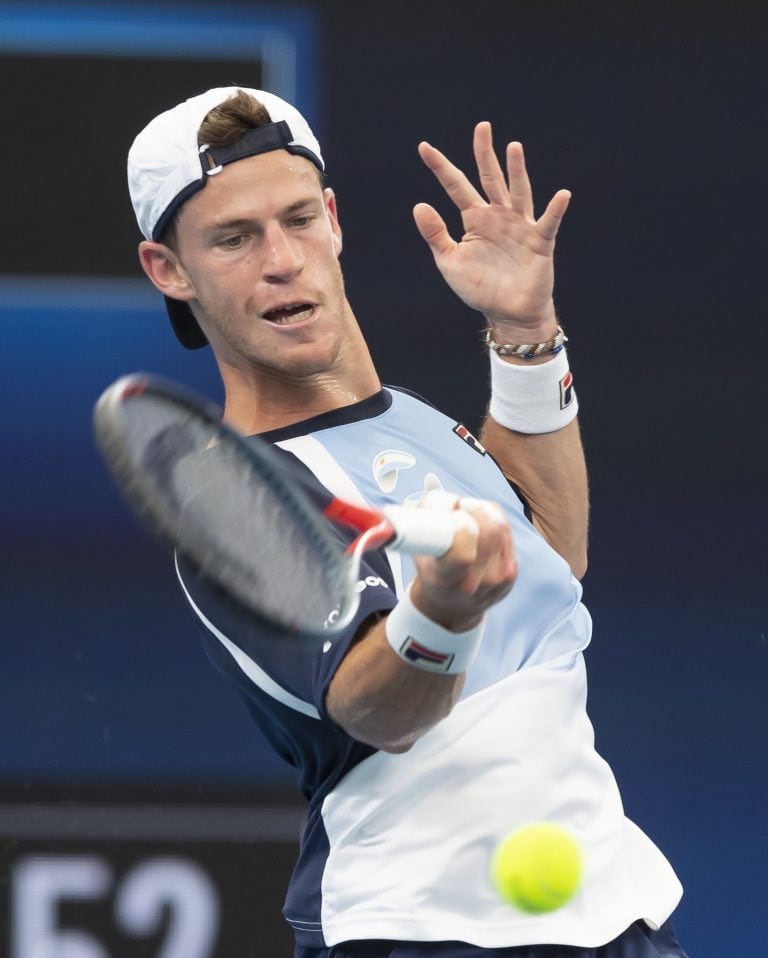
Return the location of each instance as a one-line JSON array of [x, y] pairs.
[[252, 353]]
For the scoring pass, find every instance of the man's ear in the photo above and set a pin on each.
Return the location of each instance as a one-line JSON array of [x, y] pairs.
[[333, 215], [162, 266]]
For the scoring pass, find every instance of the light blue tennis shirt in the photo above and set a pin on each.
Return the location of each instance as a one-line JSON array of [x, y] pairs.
[[399, 846]]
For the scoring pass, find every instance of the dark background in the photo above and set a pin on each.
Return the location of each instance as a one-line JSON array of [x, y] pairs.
[[653, 114]]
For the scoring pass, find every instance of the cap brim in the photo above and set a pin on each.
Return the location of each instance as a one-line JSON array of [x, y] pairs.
[[184, 324]]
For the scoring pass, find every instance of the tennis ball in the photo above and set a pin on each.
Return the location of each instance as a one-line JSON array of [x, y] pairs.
[[537, 868]]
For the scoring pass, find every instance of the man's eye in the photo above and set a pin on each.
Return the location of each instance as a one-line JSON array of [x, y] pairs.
[[300, 221], [233, 242]]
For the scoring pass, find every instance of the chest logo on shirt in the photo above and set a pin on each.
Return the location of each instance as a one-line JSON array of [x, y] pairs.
[[463, 433], [387, 465], [431, 483]]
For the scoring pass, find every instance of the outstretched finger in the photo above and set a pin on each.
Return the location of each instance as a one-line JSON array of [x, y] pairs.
[[549, 222], [433, 229], [488, 166], [520, 192], [450, 177]]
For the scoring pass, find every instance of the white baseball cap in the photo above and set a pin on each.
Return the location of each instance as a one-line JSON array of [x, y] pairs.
[[166, 166]]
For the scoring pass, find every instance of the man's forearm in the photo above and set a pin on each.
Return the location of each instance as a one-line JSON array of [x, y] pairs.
[[380, 700], [380, 695], [550, 471]]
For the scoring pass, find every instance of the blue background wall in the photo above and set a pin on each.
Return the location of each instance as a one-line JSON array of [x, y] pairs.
[[653, 114]]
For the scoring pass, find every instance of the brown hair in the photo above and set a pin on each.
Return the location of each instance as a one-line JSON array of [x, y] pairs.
[[223, 125], [230, 119]]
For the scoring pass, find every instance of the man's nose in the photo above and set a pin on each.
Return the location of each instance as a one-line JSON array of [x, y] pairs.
[[283, 256]]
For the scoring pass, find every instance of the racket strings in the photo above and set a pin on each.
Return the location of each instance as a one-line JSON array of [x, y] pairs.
[[243, 525], [229, 508], [248, 534]]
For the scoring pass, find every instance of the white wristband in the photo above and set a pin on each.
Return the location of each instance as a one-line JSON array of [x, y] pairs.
[[426, 645], [532, 399]]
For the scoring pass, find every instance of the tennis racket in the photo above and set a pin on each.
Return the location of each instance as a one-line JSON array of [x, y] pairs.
[[241, 515]]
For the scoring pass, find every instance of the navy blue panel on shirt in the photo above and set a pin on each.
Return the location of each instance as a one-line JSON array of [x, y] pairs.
[[286, 680]]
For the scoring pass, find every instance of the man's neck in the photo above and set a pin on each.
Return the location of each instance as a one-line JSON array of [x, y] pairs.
[[260, 401], [258, 411]]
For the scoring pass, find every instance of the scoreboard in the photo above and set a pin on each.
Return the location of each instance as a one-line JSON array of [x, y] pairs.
[[145, 880]]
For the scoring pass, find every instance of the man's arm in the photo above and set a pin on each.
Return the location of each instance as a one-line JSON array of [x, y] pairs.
[[550, 471], [379, 698], [503, 267]]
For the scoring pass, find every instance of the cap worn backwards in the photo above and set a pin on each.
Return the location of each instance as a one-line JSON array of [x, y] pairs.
[[166, 166]]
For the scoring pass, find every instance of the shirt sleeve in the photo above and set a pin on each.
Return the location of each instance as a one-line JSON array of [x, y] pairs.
[[282, 678], [274, 660], [284, 681]]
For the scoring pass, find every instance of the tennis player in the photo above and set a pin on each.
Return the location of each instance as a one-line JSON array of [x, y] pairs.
[[453, 709]]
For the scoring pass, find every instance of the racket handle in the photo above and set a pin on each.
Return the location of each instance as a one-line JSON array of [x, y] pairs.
[[426, 532]]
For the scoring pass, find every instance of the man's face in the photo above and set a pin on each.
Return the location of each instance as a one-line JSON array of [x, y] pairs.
[[259, 247]]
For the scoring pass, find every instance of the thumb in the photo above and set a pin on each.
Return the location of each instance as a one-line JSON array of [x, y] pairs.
[[432, 228]]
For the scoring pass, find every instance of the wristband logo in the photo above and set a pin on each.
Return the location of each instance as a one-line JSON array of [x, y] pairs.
[[424, 658], [566, 390]]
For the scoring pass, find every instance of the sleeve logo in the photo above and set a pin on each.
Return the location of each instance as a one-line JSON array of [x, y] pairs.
[[463, 433]]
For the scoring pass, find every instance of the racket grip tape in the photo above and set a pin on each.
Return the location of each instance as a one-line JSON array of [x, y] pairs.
[[426, 531]]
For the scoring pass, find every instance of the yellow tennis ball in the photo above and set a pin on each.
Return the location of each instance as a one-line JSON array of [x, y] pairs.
[[537, 868]]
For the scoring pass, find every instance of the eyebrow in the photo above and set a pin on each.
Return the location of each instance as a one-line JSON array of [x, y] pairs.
[[242, 221]]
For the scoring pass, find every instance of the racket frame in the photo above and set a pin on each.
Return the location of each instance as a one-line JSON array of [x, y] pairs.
[[141, 493]]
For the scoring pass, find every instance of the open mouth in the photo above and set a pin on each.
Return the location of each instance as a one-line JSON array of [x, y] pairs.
[[289, 314]]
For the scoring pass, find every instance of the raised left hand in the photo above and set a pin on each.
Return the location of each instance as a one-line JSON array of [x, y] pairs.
[[503, 264]]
